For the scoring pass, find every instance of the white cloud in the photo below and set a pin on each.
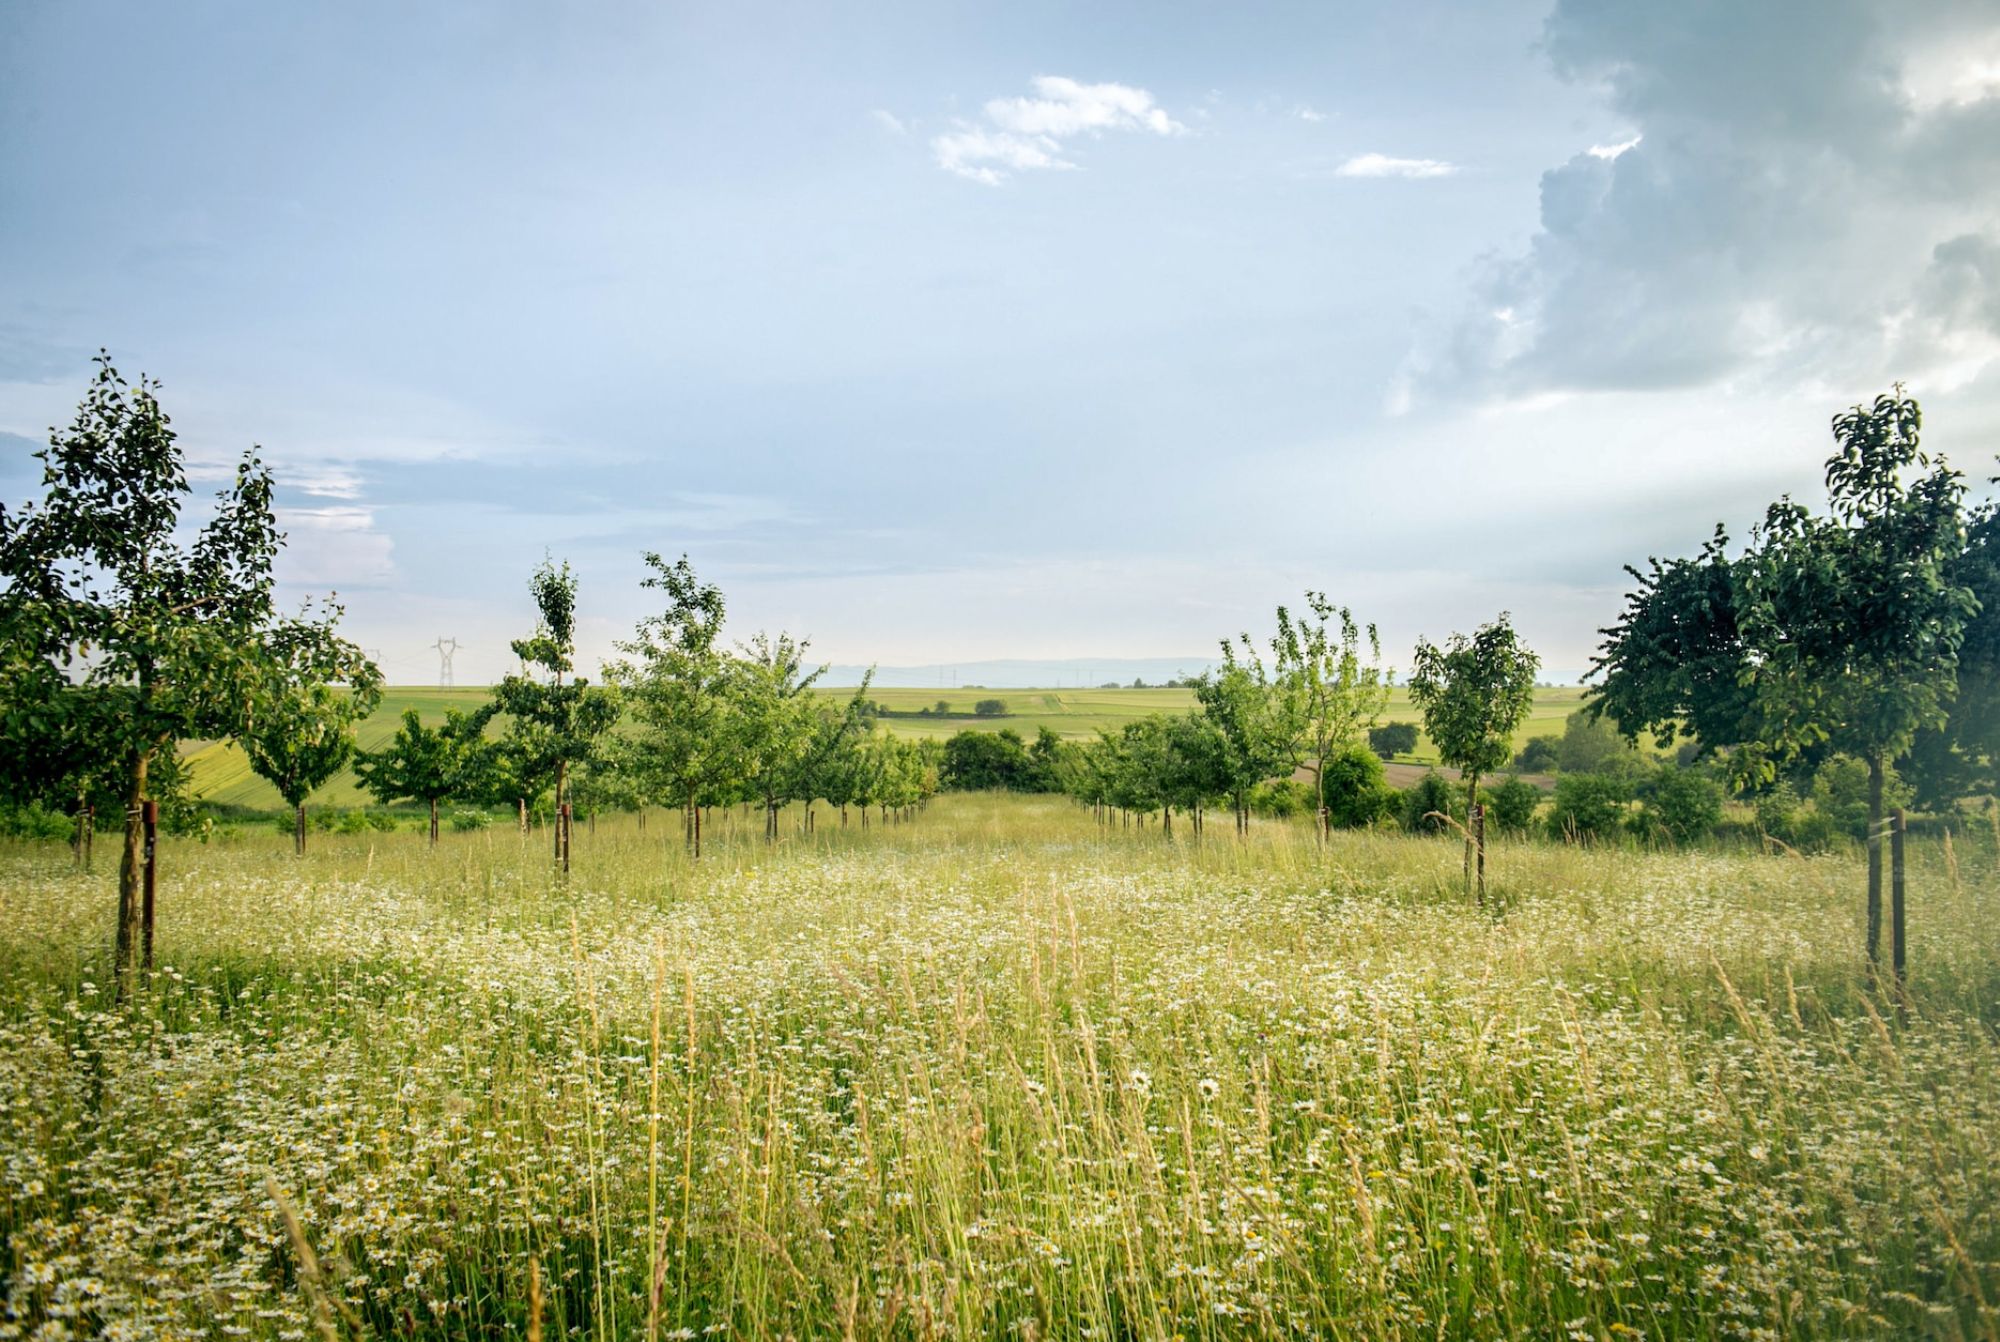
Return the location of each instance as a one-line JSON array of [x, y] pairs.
[[1611, 151], [889, 121], [1306, 113], [1028, 134], [1382, 165]]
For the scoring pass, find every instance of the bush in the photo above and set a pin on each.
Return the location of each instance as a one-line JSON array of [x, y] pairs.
[[1357, 793], [1587, 806], [990, 708], [1429, 794], [981, 761], [1538, 756], [1685, 803], [467, 822], [37, 821], [1281, 799], [1511, 805], [1392, 739]]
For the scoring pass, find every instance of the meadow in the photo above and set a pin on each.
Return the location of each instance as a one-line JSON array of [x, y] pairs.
[[222, 774], [1000, 1072]]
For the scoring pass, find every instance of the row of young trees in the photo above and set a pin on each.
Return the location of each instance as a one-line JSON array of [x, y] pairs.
[[1314, 708], [683, 721]]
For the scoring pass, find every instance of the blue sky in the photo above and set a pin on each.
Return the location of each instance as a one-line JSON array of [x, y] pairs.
[[948, 332]]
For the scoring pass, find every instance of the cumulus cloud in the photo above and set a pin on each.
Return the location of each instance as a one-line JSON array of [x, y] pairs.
[[1382, 165], [1809, 194], [1029, 134]]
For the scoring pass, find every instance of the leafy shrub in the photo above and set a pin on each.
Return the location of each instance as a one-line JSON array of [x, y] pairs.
[[35, 821], [1427, 795], [981, 761], [1538, 756], [467, 822], [990, 708], [1684, 803], [1357, 792], [1587, 806], [1511, 804], [1281, 798], [1392, 739]]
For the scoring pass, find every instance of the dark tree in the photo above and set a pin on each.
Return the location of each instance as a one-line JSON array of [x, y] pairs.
[[1392, 739]]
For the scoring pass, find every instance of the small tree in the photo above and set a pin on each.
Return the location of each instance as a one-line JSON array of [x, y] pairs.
[[560, 716], [426, 764], [990, 708], [303, 730], [1339, 690], [775, 719], [1475, 694], [680, 684], [1258, 719], [1392, 739], [121, 638]]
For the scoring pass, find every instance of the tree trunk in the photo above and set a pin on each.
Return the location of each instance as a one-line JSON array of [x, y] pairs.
[[697, 831], [434, 822], [562, 839], [843, 815], [299, 829], [521, 805], [1898, 963], [1472, 800], [1319, 793], [130, 862], [1166, 822], [1875, 783], [1478, 818]]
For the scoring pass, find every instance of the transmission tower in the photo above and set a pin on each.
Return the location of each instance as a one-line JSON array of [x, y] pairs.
[[445, 648]]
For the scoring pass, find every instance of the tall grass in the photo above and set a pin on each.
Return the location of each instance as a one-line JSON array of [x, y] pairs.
[[996, 1073]]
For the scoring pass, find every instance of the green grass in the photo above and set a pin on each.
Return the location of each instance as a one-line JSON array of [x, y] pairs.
[[999, 1072], [222, 772]]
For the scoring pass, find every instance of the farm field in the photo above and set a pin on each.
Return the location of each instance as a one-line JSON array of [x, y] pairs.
[[996, 1072], [222, 773]]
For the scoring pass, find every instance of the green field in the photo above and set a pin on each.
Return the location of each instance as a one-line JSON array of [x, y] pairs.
[[999, 1073], [222, 773]]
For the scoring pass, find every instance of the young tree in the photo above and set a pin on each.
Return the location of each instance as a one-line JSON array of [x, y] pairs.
[[681, 683], [1475, 694], [560, 716], [1339, 691], [135, 638], [302, 732], [1258, 719], [426, 764], [1842, 633], [775, 719]]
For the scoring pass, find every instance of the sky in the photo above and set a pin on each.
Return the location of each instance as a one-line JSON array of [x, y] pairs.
[[947, 332]]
